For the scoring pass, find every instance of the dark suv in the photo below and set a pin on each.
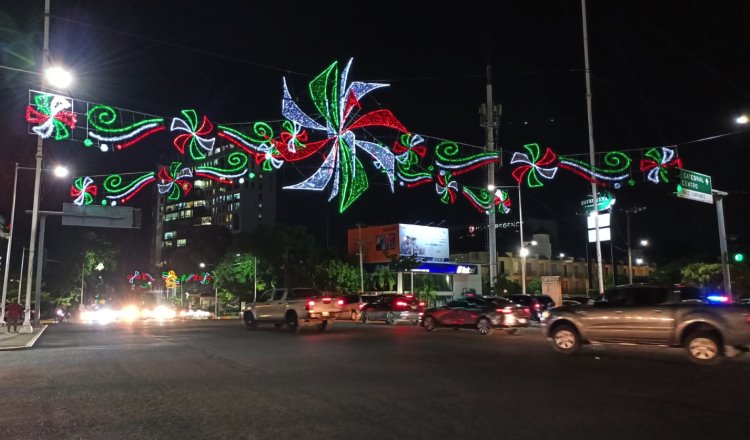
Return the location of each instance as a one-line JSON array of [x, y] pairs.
[[536, 303]]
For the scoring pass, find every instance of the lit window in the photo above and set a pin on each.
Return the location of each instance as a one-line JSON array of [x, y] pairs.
[[167, 244], [205, 220], [181, 242], [169, 235]]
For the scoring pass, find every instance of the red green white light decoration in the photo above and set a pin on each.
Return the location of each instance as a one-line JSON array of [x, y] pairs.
[[534, 166], [107, 128], [170, 279], [194, 136], [237, 167], [83, 190], [52, 115], [142, 280], [120, 192], [658, 162], [174, 179]]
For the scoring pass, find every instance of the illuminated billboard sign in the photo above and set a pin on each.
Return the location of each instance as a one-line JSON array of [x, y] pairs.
[[427, 243]]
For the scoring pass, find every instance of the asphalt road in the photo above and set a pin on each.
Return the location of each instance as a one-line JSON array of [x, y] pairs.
[[213, 379]]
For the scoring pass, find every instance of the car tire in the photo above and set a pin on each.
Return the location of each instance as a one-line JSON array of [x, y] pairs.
[[292, 324], [354, 315], [703, 348], [511, 331], [484, 327], [565, 339], [364, 318], [390, 319], [250, 322], [429, 324]]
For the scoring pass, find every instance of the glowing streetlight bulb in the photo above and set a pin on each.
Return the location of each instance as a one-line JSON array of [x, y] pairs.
[[742, 119], [524, 252], [639, 261], [202, 265], [644, 242], [562, 254], [58, 77]]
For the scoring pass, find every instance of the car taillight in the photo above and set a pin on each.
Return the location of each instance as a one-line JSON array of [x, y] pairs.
[[421, 304], [504, 310], [527, 311], [401, 304], [326, 299], [362, 306], [340, 303], [747, 319], [310, 304], [537, 306]]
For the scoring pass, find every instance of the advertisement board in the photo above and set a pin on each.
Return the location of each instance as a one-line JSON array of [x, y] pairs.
[[428, 243], [378, 243]]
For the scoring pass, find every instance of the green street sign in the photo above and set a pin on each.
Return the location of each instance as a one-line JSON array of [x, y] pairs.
[[605, 201], [695, 186]]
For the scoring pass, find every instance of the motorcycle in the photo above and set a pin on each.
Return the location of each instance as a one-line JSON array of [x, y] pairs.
[[60, 315]]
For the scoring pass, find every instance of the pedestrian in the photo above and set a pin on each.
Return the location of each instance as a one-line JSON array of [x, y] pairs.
[[13, 312]]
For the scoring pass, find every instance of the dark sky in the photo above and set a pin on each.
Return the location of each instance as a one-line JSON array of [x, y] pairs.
[[663, 73]]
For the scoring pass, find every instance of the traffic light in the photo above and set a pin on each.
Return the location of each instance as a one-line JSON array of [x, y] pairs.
[[674, 179], [738, 257]]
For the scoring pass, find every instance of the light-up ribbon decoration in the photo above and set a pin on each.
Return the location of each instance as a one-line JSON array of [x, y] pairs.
[[195, 134], [170, 279], [83, 190], [52, 117], [534, 166], [173, 180], [446, 187], [660, 159]]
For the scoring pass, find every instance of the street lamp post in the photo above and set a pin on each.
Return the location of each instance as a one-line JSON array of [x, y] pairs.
[[7, 253], [630, 250], [524, 253]]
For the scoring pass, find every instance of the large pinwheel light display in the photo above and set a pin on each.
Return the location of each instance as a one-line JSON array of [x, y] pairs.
[[341, 146]]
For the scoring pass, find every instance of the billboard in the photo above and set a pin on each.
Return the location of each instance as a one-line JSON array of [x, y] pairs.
[[378, 243], [428, 243]]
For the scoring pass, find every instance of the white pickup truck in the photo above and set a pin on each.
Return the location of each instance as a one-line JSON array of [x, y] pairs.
[[291, 308]]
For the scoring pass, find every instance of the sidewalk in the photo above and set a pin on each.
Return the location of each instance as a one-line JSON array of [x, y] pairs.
[[14, 341]]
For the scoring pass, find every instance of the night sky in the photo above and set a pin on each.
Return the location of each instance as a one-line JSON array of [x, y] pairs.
[[663, 73]]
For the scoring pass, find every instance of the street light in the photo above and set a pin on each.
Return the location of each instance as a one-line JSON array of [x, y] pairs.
[[639, 261], [524, 253], [633, 210], [58, 77], [743, 119], [26, 326], [59, 169], [644, 242]]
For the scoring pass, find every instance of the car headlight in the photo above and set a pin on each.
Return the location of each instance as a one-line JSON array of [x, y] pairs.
[[545, 314]]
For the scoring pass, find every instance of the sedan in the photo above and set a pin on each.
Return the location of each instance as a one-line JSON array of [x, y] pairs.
[[392, 308], [482, 314]]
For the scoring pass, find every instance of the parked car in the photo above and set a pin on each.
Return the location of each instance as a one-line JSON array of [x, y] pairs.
[[393, 308], [351, 306], [533, 302], [483, 314]]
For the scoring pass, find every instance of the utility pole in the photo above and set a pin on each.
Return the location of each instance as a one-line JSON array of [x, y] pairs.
[[361, 265], [489, 117], [592, 155], [719, 199], [633, 210]]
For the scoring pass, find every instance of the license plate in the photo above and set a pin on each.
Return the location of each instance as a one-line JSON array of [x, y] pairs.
[[522, 320], [325, 313]]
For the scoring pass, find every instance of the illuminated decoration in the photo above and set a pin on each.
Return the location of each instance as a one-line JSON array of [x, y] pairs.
[[171, 281], [410, 152], [83, 191], [237, 167], [446, 187], [142, 280], [659, 161], [448, 158], [488, 202], [121, 192], [335, 101], [194, 136], [203, 278], [503, 202], [107, 127], [52, 115], [535, 166], [172, 180], [262, 133]]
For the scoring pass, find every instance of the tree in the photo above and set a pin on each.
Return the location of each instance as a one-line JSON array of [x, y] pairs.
[[707, 275], [534, 286], [336, 276], [382, 279], [505, 286], [426, 292], [235, 276]]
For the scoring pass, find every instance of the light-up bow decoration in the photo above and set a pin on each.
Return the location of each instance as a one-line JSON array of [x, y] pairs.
[[335, 100], [615, 169], [534, 166], [52, 116], [194, 136], [170, 279], [143, 280], [173, 179], [658, 162], [83, 190]]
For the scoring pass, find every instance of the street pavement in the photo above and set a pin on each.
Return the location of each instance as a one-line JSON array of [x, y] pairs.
[[15, 341]]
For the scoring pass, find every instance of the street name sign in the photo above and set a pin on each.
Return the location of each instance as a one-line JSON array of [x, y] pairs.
[[695, 186]]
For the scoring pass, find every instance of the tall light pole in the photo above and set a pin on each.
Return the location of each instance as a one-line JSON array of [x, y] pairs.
[[7, 253], [592, 156], [524, 252], [490, 115], [361, 261]]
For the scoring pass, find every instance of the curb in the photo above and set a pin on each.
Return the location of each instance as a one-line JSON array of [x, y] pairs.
[[28, 344]]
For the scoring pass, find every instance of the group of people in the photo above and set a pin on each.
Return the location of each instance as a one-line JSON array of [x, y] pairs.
[[13, 316]]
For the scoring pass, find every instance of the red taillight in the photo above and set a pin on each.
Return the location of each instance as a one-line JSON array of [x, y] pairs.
[[421, 304], [410, 296], [340, 303], [310, 304], [401, 304], [527, 311], [326, 299], [537, 306], [504, 310], [362, 306], [747, 319]]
